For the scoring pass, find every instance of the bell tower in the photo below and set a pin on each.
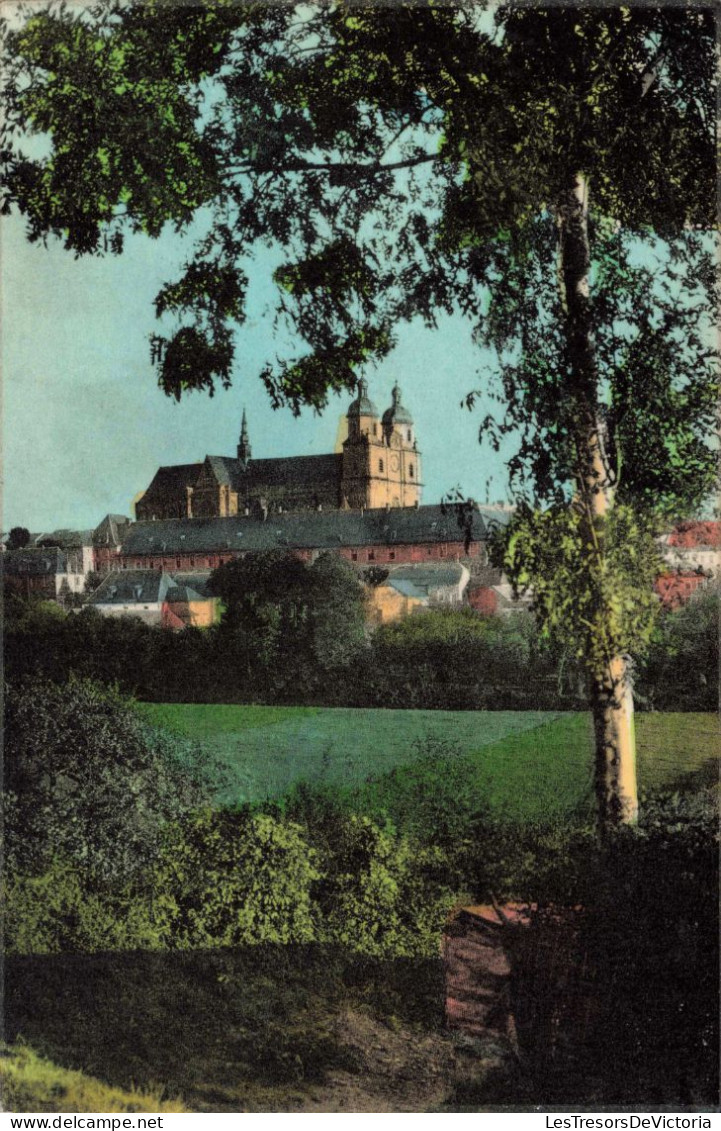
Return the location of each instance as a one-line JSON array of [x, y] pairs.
[[381, 461]]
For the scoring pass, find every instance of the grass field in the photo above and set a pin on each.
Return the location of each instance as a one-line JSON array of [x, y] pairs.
[[530, 762]]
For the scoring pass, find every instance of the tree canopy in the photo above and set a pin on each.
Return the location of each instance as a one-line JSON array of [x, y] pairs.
[[548, 172], [410, 160]]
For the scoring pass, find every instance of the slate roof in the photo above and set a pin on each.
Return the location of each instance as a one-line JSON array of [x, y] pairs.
[[108, 531], [293, 471], [32, 561], [182, 594], [397, 413], [426, 577], [227, 471], [132, 587], [196, 580], [171, 479], [313, 530], [362, 405]]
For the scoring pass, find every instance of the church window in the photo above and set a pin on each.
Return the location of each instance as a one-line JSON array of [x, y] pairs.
[[410, 436], [371, 556], [392, 556], [380, 465], [410, 470], [375, 429]]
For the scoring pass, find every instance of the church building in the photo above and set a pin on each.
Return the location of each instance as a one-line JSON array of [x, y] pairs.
[[379, 466]]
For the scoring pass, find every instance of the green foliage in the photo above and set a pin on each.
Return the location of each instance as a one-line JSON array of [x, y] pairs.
[[288, 620], [88, 780], [379, 893], [592, 584], [18, 537], [239, 879], [454, 659], [61, 909], [680, 668], [385, 897]]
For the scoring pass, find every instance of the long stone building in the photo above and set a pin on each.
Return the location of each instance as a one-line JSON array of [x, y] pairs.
[[381, 536], [379, 466]]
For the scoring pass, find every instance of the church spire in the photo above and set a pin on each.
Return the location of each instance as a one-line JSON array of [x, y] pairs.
[[244, 452]]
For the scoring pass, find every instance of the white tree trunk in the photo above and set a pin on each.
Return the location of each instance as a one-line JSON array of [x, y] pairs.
[[610, 686]]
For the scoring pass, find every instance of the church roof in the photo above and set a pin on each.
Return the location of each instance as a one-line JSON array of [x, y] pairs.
[[285, 471], [293, 471], [397, 414], [362, 405], [172, 478], [313, 530], [225, 469]]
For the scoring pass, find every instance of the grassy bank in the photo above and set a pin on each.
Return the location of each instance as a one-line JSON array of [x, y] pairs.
[[34, 1083]]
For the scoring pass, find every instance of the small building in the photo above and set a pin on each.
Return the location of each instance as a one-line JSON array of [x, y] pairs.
[[45, 572], [411, 588], [77, 545], [107, 541], [157, 598], [693, 547]]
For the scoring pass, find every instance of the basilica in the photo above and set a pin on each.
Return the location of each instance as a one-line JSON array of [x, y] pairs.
[[379, 466]]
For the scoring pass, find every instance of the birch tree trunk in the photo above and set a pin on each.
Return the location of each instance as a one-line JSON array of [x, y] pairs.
[[610, 688]]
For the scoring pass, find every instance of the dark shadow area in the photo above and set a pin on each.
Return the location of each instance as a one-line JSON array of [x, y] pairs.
[[707, 776], [217, 1028]]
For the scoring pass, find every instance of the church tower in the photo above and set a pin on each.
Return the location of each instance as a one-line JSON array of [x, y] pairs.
[[244, 452], [381, 461]]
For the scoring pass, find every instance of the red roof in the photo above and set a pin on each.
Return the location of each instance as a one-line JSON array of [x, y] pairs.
[[691, 534], [674, 589]]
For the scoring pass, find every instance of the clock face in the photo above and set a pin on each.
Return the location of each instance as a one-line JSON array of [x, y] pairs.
[[395, 463]]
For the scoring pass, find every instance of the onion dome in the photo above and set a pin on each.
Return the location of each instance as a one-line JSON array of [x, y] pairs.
[[396, 414], [362, 406]]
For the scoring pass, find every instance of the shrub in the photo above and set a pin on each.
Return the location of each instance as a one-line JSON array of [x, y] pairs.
[[57, 911], [238, 878], [87, 779], [382, 896]]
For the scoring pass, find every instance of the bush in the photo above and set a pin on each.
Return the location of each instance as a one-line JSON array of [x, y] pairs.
[[633, 1002], [380, 893], [87, 779], [680, 670], [238, 878], [59, 911]]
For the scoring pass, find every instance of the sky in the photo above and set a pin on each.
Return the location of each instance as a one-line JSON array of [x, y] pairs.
[[85, 425]]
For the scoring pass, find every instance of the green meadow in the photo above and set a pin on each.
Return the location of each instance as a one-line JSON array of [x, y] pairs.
[[529, 763]]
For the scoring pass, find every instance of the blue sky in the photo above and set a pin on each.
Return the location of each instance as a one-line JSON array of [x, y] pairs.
[[85, 425]]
